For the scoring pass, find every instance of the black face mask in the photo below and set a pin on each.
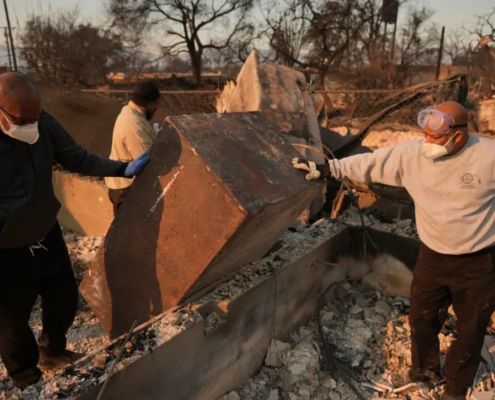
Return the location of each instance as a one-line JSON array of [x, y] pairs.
[[149, 114]]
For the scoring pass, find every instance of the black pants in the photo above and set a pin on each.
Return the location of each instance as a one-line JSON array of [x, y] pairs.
[[116, 196], [468, 283], [43, 269]]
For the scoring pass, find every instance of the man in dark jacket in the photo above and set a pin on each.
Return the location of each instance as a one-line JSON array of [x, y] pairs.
[[34, 260]]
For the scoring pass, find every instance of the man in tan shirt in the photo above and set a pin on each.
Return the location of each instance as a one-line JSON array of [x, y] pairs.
[[133, 134]]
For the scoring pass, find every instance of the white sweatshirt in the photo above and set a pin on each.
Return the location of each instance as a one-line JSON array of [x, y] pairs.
[[454, 196]]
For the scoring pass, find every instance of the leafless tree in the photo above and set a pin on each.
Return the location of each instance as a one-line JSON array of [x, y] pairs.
[[483, 54], [458, 48], [417, 42], [60, 49], [285, 30], [314, 33], [190, 26]]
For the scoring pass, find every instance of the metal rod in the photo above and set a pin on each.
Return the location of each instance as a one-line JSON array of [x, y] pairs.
[[116, 360], [10, 34], [384, 36], [393, 44], [6, 33], [440, 54]]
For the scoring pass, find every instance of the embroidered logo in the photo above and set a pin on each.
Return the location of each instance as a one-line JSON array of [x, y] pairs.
[[470, 181]]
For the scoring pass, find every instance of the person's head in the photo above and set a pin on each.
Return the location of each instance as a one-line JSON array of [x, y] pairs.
[[20, 107], [146, 95], [445, 128]]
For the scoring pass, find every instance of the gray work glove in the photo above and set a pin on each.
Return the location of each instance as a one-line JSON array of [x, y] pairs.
[[313, 170]]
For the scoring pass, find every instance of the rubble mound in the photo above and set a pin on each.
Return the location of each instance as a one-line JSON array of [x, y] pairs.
[[369, 338]]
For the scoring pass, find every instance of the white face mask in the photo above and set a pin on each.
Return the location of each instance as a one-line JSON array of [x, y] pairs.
[[434, 151], [25, 133]]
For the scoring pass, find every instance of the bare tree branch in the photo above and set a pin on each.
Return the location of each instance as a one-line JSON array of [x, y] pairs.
[[190, 24]]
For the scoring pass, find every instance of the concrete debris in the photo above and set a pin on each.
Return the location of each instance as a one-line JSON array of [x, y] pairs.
[[326, 317], [233, 396], [87, 334], [382, 307], [281, 93], [488, 352], [293, 246], [389, 276], [373, 345], [406, 228], [273, 395], [403, 224], [213, 321], [272, 357], [355, 219]]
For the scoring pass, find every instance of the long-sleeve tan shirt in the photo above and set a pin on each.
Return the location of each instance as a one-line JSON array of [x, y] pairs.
[[454, 196], [133, 134]]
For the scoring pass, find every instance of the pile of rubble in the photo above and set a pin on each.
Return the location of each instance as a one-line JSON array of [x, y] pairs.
[[87, 334], [405, 227], [366, 330], [369, 339]]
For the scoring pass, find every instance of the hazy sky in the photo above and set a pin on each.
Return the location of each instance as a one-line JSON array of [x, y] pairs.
[[451, 13]]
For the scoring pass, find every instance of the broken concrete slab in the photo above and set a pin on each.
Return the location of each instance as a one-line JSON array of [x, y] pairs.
[[218, 193], [279, 92], [194, 366], [282, 94]]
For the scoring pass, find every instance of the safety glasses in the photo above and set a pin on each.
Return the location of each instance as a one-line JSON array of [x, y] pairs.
[[438, 121]]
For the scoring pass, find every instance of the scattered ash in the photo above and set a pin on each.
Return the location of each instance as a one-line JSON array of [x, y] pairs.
[[213, 321], [406, 227], [81, 377], [293, 246], [369, 338]]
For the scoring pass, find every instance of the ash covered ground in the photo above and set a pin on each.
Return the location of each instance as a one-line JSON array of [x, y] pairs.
[[366, 327]]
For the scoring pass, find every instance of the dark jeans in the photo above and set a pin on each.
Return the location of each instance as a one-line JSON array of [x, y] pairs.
[[116, 196], [42, 269], [468, 283]]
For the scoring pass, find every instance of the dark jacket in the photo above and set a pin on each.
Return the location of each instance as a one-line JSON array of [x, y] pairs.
[[28, 206]]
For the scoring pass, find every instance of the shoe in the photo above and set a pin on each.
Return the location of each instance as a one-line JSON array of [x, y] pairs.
[[452, 396], [51, 360], [407, 376], [23, 383]]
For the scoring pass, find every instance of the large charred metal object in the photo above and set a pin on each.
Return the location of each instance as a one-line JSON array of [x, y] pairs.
[[218, 193]]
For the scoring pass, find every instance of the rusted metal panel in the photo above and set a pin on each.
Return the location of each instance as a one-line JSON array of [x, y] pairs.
[[195, 366], [218, 193]]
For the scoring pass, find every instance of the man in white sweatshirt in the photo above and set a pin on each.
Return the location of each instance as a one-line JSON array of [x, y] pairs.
[[451, 177]]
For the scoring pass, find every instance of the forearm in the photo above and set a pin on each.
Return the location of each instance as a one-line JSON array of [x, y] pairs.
[[381, 166], [71, 156], [85, 163]]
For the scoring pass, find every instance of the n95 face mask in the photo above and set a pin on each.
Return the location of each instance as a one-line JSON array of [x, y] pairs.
[[25, 133], [433, 151]]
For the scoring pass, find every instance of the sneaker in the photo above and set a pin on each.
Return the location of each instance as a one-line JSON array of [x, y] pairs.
[[52, 360], [451, 395], [24, 382], [406, 376]]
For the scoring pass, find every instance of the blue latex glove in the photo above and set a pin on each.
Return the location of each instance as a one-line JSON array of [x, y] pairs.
[[135, 166]]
